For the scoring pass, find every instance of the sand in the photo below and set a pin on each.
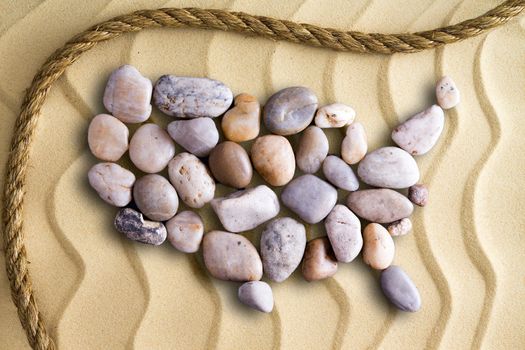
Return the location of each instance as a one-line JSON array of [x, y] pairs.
[[98, 290]]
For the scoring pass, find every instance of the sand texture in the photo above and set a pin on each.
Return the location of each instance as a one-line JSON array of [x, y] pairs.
[[99, 291]]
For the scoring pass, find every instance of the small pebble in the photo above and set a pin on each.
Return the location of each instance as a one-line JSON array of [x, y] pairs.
[[379, 249], [400, 290], [273, 158], [418, 194], [335, 115], [312, 150], [400, 227], [151, 148], [107, 137], [379, 205], [319, 260], [185, 231], [242, 122], [289, 111], [198, 136], [355, 144], [343, 229], [230, 165], [112, 182], [155, 197], [447, 93], [131, 223], [339, 174], [257, 295]]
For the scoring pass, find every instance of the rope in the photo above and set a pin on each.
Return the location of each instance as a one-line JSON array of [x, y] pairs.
[[301, 33]]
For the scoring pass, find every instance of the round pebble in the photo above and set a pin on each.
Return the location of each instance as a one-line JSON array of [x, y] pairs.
[[400, 290], [400, 227], [230, 165], [447, 93], [198, 136], [242, 122], [273, 158], [343, 229], [112, 182], [339, 174], [418, 194], [185, 231], [319, 260], [379, 205], [155, 197], [355, 144], [335, 115], [257, 295], [107, 137], [312, 150], [151, 148], [132, 224], [379, 249]]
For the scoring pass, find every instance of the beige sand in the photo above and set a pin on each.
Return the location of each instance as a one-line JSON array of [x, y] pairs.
[[98, 290]]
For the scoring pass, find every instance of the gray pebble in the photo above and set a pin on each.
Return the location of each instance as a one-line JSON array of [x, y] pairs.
[[400, 290], [380, 205], [155, 197], [340, 174], [131, 223], [312, 150], [198, 136], [257, 295], [343, 229]]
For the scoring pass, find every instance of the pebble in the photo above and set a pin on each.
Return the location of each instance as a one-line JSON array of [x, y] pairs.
[[107, 137], [312, 150], [418, 194], [380, 205], [131, 223], [112, 182], [186, 97], [420, 133], [400, 227], [343, 229], [273, 158], [231, 257], [242, 122], [155, 197], [379, 249], [247, 209], [289, 111], [151, 148], [399, 289], [257, 295], [128, 95], [335, 115], [447, 93], [309, 197], [185, 231], [339, 174], [191, 179], [198, 136], [389, 167], [230, 165], [282, 247], [319, 260], [355, 143]]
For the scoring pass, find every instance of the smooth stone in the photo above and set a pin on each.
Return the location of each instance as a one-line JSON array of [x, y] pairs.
[[312, 150], [289, 111], [112, 182], [198, 136], [420, 133], [389, 167], [339, 174], [319, 260], [191, 179], [230, 165], [379, 249], [107, 137], [257, 295], [282, 247], [155, 197], [399, 289], [186, 97], [400, 227], [242, 122], [128, 95], [447, 93], [309, 197], [131, 223], [231, 257], [273, 158], [379, 205], [247, 209], [151, 148], [343, 229], [418, 194], [335, 115], [355, 143], [185, 231]]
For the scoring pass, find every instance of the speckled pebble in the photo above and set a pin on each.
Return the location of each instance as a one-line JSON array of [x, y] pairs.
[[343, 229], [447, 93], [335, 115], [131, 223], [400, 227], [418, 194]]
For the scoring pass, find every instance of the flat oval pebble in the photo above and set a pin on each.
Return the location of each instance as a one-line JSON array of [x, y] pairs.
[[230, 165], [128, 95], [242, 122], [107, 137], [289, 111], [379, 249], [247, 209], [155, 197], [309, 197], [186, 97], [339, 174], [400, 290], [257, 295], [319, 260], [131, 223], [191, 179], [185, 231], [343, 229], [231, 257], [355, 144], [418, 194], [447, 93], [312, 150], [389, 167], [198, 136], [400, 227], [151, 148], [380, 205], [420, 133], [112, 182], [273, 158], [335, 115], [282, 247]]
